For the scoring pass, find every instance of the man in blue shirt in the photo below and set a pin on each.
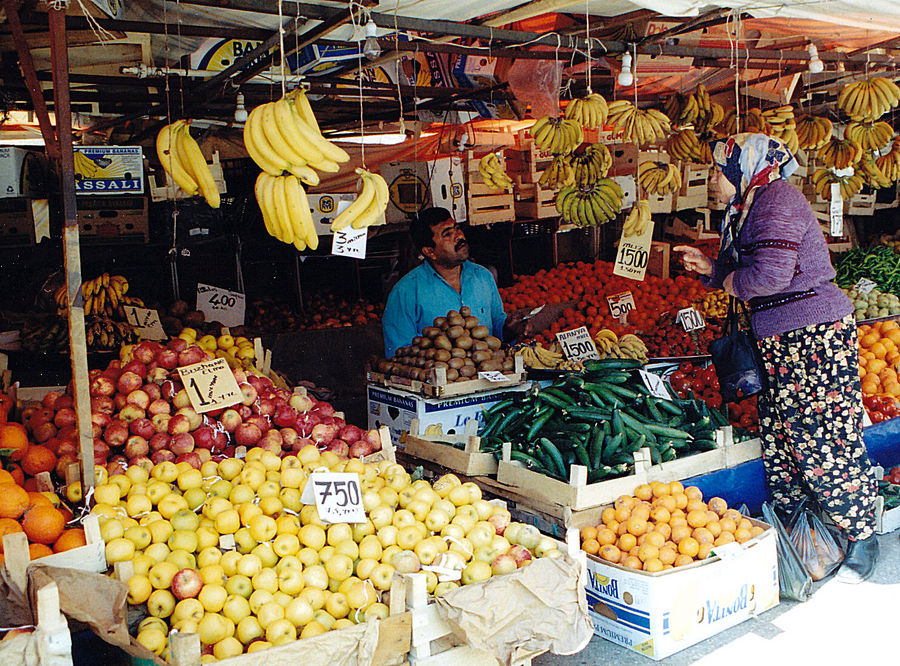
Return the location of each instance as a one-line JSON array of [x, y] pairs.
[[445, 281]]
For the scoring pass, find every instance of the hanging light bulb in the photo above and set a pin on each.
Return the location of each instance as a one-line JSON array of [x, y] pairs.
[[626, 78], [371, 47], [816, 66], [240, 113]]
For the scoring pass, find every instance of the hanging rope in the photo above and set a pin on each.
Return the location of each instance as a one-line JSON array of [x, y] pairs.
[[359, 74], [281, 47], [587, 39]]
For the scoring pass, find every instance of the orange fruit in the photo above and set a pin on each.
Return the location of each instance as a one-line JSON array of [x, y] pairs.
[[688, 546], [745, 524], [715, 527], [676, 487], [6, 477], [624, 502], [654, 539], [742, 536], [868, 339], [878, 349], [718, 505], [17, 474], [667, 502], [38, 459], [648, 552], [13, 500], [69, 539], [14, 437], [632, 562], [606, 536], [693, 492], [727, 524], [590, 546], [756, 530], [696, 505], [641, 513], [660, 488], [588, 533], [653, 565], [697, 518], [667, 555], [621, 514], [38, 550], [660, 515], [627, 542], [681, 501], [8, 526], [735, 515], [665, 529], [682, 560], [875, 366], [611, 553], [679, 532], [703, 535], [43, 524], [704, 550], [608, 515], [35, 498], [636, 526], [644, 491], [723, 538]]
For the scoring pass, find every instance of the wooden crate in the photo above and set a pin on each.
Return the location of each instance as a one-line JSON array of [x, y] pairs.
[[483, 204], [438, 387], [629, 190], [701, 231], [658, 261], [660, 203], [51, 642], [861, 204], [694, 186], [535, 202], [526, 165], [168, 189], [439, 449], [625, 159], [433, 642], [578, 495]]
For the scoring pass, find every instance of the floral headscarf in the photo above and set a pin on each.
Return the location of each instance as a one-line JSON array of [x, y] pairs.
[[748, 161]]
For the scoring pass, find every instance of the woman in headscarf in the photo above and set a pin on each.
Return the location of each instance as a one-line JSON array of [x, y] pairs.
[[773, 257]]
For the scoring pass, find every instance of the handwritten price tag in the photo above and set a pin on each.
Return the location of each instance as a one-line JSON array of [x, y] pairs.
[[633, 255], [655, 385], [221, 305], [145, 322], [493, 376], [337, 496], [690, 319], [210, 385], [865, 286], [836, 211], [350, 243], [620, 304], [577, 344]]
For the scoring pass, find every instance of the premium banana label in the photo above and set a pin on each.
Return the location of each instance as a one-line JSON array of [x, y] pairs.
[[109, 169]]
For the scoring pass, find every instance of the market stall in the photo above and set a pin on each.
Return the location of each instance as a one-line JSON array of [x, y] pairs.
[[207, 453]]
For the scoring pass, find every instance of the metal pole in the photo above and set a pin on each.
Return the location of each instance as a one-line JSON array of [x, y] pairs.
[[71, 246]]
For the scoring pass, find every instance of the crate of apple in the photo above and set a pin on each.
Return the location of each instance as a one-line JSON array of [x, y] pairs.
[[141, 415]]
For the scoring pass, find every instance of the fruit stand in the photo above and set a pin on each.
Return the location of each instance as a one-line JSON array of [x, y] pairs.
[[206, 455]]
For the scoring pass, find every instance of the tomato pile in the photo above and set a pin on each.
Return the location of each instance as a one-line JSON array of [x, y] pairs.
[[586, 285], [704, 384], [893, 476], [668, 338], [880, 407]]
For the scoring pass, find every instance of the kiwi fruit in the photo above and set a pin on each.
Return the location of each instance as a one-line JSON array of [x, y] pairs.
[[442, 355], [431, 332], [487, 366], [464, 342], [456, 363], [452, 375], [479, 345], [456, 320], [456, 331], [471, 322], [481, 356], [456, 352], [467, 371], [480, 332]]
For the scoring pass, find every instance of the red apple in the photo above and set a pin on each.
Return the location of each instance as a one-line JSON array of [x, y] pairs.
[[520, 554], [43, 431], [159, 441], [177, 345], [102, 386], [267, 444], [205, 437], [500, 521], [67, 448], [62, 464], [261, 422], [101, 451], [143, 352], [247, 434], [49, 400], [138, 398], [101, 419], [120, 400], [182, 442], [244, 411], [157, 375], [136, 367], [136, 446], [142, 427], [142, 461], [64, 401], [131, 412], [152, 390], [325, 410], [103, 404], [168, 359], [179, 423], [306, 422], [322, 434], [112, 374], [193, 417], [64, 417], [163, 455], [373, 437], [168, 389], [192, 458], [230, 420], [181, 399], [302, 403], [359, 449], [96, 430], [116, 433], [339, 446], [159, 406], [351, 433], [288, 437], [128, 382], [190, 356], [263, 406], [285, 417], [249, 394], [116, 465]]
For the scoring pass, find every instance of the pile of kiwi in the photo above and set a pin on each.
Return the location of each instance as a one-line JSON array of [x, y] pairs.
[[457, 343]]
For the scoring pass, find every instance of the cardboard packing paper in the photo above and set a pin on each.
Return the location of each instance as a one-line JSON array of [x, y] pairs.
[[539, 607]]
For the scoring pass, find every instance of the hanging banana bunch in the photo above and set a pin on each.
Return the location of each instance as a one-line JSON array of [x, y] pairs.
[[870, 136], [659, 178], [813, 132], [868, 100], [639, 126], [591, 165], [685, 145], [285, 210], [493, 174], [183, 161], [638, 220], [558, 136], [840, 153], [590, 206], [823, 178], [368, 206], [889, 163], [558, 173], [589, 112]]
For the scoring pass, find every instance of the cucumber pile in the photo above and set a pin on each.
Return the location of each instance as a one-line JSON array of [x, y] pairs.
[[598, 418]]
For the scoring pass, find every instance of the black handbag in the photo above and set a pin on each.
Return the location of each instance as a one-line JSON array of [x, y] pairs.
[[736, 358]]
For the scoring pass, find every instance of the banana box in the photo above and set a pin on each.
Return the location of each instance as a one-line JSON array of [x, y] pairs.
[[437, 416], [325, 207], [659, 614], [109, 170]]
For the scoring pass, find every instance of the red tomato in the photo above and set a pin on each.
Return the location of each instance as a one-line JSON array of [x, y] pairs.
[[876, 417]]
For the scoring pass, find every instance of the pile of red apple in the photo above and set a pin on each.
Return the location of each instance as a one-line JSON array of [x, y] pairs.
[[141, 415]]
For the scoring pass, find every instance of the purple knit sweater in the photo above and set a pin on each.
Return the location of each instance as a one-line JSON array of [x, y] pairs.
[[783, 271]]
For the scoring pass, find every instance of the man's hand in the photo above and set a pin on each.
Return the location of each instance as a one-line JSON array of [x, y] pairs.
[[694, 260], [517, 326]]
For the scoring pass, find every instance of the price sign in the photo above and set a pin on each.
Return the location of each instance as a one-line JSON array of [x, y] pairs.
[[655, 385], [836, 211], [337, 496], [350, 243], [222, 305], [864, 286], [493, 376], [633, 255], [690, 319], [145, 322], [577, 344], [620, 304], [210, 385]]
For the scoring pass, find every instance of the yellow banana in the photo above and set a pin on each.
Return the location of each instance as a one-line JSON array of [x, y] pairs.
[[196, 164], [169, 158]]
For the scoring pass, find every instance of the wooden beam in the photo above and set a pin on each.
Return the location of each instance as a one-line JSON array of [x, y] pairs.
[[71, 247], [26, 64], [526, 11]]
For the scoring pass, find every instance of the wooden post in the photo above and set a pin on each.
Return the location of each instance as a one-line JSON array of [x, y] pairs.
[[54, 640], [71, 246]]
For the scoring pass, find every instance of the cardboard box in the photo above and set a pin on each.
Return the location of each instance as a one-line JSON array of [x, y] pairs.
[[109, 170], [662, 613], [417, 185], [886, 520], [17, 222], [324, 209], [22, 172], [113, 218], [396, 409]]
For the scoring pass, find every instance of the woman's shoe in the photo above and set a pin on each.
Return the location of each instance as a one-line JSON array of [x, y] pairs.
[[859, 562]]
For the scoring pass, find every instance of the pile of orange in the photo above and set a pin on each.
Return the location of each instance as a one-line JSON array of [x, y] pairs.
[[663, 526], [38, 515], [879, 354], [25, 459]]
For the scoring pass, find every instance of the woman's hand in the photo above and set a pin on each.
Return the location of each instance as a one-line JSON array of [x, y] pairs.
[[694, 260]]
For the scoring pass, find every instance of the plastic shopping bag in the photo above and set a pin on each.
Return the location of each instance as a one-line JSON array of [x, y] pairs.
[[794, 581], [818, 549]]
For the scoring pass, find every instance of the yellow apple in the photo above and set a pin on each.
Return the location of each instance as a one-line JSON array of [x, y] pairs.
[[236, 608], [171, 504], [141, 537], [165, 471], [119, 549], [382, 576], [240, 585], [291, 581], [227, 647], [157, 552], [249, 630], [316, 576], [138, 505], [212, 597], [299, 612], [314, 596], [308, 556], [265, 579], [188, 609], [339, 567], [312, 536], [212, 628], [229, 562], [266, 554], [212, 574], [161, 603], [139, 589]]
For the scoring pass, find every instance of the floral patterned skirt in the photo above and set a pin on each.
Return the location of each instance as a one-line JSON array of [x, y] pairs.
[[810, 422]]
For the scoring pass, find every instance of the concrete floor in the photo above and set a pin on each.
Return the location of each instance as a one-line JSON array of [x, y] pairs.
[[840, 624]]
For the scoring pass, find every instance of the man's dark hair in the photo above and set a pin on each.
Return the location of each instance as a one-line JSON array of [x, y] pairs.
[[421, 224]]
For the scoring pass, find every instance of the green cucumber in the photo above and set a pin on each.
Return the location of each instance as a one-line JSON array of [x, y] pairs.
[[530, 462], [611, 364], [666, 431], [581, 455], [539, 422], [554, 455]]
